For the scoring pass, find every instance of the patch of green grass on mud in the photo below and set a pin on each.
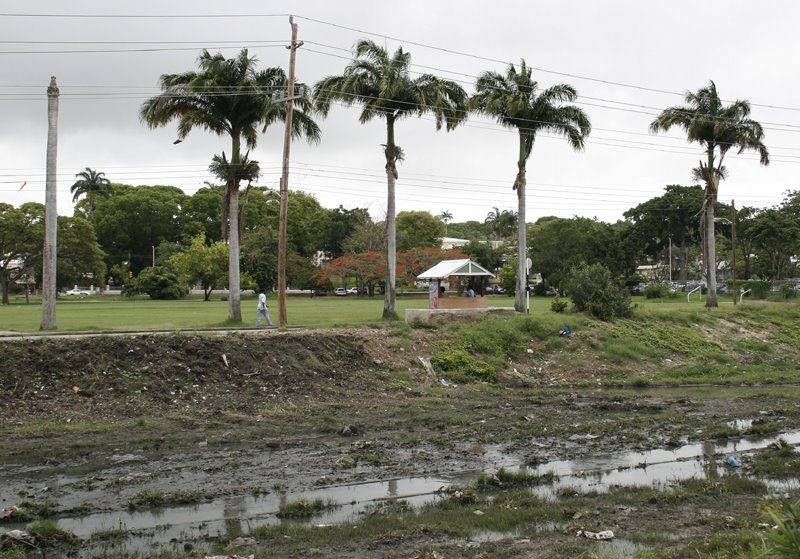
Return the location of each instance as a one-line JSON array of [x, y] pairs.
[[304, 508], [48, 426], [778, 461]]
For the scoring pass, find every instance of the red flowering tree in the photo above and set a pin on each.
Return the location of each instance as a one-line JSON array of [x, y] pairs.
[[417, 260]]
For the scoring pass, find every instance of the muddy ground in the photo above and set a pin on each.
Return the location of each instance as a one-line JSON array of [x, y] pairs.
[[194, 445]]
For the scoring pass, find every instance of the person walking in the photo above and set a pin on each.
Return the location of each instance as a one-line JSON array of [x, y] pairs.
[[263, 310]]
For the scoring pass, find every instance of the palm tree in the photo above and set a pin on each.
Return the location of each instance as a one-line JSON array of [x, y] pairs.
[[246, 170], [227, 97], [446, 218], [715, 127], [515, 101], [382, 86], [91, 184], [502, 223]]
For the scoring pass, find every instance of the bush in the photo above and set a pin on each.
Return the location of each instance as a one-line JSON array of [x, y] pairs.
[[158, 283], [593, 290], [656, 291], [460, 366], [558, 305]]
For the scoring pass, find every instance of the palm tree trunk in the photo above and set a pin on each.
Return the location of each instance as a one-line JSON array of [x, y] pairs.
[[522, 249], [711, 257], [51, 213], [389, 300], [711, 249], [234, 292]]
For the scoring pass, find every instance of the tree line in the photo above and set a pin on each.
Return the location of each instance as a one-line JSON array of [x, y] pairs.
[[232, 97]]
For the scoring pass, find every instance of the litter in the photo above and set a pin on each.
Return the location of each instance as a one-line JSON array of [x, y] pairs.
[[604, 535], [229, 557], [734, 462], [8, 512], [565, 331]]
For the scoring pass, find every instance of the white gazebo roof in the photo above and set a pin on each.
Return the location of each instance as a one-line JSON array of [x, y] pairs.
[[447, 268]]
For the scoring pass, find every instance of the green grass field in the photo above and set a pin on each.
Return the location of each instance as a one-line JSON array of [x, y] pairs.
[[105, 312]]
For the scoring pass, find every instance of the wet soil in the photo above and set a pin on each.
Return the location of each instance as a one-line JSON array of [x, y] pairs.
[[176, 445]]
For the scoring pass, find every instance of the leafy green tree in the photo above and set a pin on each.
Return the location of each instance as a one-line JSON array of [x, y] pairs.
[[776, 238], [515, 101], [79, 256], [21, 243], [227, 97], [201, 214], [558, 245], [366, 236], [341, 223], [233, 173], [91, 184], [471, 230], [260, 260], [717, 128], [201, 263], [382, 85], [418, 229], [673, 215], [135, 219]]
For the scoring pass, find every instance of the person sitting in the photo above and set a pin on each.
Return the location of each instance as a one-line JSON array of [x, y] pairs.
[[470, 292]]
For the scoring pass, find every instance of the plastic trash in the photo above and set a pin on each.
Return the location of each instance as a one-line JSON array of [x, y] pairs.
[[565, 331], [734, 462], [604, 535]]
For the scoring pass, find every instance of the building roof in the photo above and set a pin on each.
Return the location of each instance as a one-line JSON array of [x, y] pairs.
[[447, 268]]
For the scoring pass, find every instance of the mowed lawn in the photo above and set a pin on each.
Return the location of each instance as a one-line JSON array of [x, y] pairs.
[[109, 312]]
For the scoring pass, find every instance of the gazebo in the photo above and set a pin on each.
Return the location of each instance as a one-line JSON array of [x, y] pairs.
[[437, 298]]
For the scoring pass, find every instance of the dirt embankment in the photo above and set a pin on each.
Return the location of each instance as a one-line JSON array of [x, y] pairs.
[[116, 377]]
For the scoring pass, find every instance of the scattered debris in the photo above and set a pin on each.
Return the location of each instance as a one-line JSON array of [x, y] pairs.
[[428, 366], [348, 431], [230, 557], [225, 360], [734, 462], [242, 541], [8, 512], [478, 512], [17, 537], [604, 535]]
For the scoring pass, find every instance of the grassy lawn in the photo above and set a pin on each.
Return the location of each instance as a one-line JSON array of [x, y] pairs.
[[121, 313]]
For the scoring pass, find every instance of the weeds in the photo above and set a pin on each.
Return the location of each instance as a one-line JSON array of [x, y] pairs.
[[303, 508]]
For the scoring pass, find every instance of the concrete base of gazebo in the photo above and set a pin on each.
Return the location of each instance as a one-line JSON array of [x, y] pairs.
[[425, 314]]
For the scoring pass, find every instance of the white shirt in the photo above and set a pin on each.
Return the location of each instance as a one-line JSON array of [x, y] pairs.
[[262, 301]]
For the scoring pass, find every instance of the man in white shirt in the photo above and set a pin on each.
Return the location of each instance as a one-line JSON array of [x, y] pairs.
[[263, 310]]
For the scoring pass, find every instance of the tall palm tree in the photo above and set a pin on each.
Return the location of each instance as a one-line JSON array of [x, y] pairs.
[[446, 218], [381, 84], [227, 97], [717, 128], [515, 101], [245, 170], [91, 184]]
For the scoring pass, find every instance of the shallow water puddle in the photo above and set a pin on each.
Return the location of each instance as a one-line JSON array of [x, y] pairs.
[[237, 515]]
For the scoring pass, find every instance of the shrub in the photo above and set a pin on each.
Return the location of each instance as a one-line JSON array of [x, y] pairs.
[[593, 290], [656, 291], [558, 305], [460, 366], [158, 283]]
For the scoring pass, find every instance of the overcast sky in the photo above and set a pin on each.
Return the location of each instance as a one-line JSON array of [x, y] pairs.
[[627, 59]]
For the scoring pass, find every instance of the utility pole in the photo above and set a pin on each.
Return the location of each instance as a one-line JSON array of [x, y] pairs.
[[287, 146], [50, 213], [733, 245]]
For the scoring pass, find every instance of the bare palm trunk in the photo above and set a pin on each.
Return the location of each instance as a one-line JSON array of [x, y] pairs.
[[522, 248], [710, 241], [234, 291], [711, 256], [389, 300], [51, 213]]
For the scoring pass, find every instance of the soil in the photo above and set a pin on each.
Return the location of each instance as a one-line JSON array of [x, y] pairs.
[[100, 426]]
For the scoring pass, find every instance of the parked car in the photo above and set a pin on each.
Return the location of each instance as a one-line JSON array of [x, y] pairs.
[[79, 292], [341, 291], [353, 291]]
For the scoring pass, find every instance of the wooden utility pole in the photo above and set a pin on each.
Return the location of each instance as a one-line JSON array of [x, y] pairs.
[[50, 213], [284, 210], [733, 245]]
